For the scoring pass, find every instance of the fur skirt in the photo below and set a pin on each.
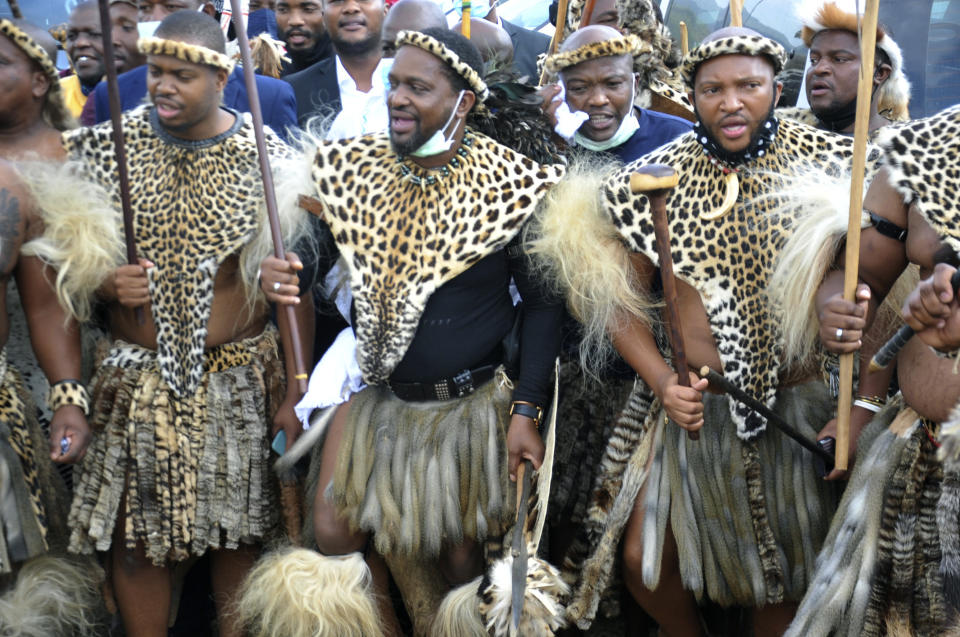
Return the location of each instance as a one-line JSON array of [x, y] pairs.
[[32, 498], [186, 474], [419, 476], [749, 517], [880, 569]]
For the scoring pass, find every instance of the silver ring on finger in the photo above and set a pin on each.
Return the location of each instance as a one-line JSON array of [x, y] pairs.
[[276, 286], [839, 333]]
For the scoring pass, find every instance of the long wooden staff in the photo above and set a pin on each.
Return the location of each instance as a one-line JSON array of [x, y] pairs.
[[587, 13], [113, 96], [655, 181], [684, 39], [736, 13], [465, 11], [15, 9], [269, 193], [557, 36], [868, 43]]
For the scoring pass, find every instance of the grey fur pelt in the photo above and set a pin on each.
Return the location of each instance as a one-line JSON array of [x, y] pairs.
[[948, 509], [878, 571]]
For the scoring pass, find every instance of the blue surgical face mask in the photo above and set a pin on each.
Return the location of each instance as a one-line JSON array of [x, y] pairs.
[[439, 143], [628, 126]]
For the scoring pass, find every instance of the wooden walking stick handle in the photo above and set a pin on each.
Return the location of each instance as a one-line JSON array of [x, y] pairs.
[[655, 181], [269, 192]]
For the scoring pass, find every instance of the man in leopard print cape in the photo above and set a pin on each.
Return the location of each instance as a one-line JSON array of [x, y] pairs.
[[737, 516], [186, 395], [427, 218]]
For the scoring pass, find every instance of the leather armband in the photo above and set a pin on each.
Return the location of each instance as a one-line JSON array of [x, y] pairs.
[[887, 228]]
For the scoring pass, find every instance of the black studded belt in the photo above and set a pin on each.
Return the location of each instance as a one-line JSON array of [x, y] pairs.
[[459, 385]]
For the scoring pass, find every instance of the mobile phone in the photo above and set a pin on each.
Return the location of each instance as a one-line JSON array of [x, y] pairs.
[[279, 443]]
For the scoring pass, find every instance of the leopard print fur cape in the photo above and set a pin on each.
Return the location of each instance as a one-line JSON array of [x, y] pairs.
[[404, 231], [194, 204], [923, 158], [729, 260]]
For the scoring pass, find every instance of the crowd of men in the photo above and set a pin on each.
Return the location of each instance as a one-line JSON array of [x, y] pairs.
[[476, 274]]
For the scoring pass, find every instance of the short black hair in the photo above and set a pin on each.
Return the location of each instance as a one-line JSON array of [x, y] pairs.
[[194, 27], [464, 49]]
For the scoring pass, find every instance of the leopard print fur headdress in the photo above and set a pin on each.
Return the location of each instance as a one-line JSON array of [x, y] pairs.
[[193, 53], [624, 45], [733, 45], [33, 51], [437, 48]]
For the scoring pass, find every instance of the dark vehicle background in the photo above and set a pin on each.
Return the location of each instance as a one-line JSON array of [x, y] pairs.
[[928, 32]]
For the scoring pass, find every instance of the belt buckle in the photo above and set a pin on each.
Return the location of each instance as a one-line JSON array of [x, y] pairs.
[[463, 383]]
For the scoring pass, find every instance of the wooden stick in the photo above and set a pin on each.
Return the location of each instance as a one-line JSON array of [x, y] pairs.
[[684, 38], [116, 112], [587, 13], [269, 193], [15, 10], [736, 13], [557, 35], [465, 19], [655, 181], [868, 43]]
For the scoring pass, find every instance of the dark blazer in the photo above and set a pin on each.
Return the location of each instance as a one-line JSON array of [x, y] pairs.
[[527, 45], [276, 98], [316, 89]]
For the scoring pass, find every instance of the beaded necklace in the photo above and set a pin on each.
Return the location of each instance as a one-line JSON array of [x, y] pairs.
[[443, 171]]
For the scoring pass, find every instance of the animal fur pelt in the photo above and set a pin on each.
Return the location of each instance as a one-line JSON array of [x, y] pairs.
[[948, 509], [543, 595], [300, 593], [54, 597], [459, 613], [878, 568]]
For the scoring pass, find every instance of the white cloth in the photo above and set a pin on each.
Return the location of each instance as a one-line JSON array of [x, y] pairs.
[[568, 122], [361, 113], [335, 378]]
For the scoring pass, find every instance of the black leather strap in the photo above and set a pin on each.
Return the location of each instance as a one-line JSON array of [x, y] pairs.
[[523, 409], [887, 228]]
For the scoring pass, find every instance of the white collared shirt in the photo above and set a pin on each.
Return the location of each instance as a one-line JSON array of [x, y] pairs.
[[361, 113]]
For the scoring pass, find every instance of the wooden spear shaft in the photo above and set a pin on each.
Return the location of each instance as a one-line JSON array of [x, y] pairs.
[[557, 35], [868, 43], [736, 13], [15, 9], [269, 192], [587, 13], [116, 111], [684, 39]]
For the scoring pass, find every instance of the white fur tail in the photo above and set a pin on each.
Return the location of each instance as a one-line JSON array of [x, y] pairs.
[[300, 593], [54, 597]]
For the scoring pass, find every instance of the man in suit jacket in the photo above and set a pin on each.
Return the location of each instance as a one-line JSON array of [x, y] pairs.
[[354, 27], [276, 97]]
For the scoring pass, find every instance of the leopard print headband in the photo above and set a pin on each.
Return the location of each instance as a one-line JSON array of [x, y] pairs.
[[33, 51], [437, 48], [193, 53], [756, 45], [625, 45]]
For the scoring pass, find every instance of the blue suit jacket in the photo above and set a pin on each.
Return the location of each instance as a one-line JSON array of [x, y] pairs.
[[277, 101]]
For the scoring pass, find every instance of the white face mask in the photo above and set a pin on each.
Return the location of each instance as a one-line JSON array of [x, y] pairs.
[[628, 126], [439, 143]]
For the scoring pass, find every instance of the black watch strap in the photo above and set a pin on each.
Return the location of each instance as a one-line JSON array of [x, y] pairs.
[[524, 409], [887, 228]]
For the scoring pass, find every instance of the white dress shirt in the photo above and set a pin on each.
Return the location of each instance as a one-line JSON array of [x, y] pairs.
[[361, 113]]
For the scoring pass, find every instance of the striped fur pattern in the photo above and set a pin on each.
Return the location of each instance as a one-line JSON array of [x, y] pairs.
[[192, 475], [948, 509], [590, 564], [878, 573]]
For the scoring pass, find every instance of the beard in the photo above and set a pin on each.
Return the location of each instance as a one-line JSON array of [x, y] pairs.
[[415, 141], [360, 47], [733, 157]]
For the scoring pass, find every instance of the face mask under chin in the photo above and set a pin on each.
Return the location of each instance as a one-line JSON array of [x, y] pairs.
[[439, 143], [628, 126]]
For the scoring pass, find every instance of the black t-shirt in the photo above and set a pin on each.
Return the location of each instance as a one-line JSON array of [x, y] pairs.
[[467, 318]]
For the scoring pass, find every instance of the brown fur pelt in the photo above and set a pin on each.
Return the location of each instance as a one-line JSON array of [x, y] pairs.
[[300, 593], [193, 473], [879, 569]]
